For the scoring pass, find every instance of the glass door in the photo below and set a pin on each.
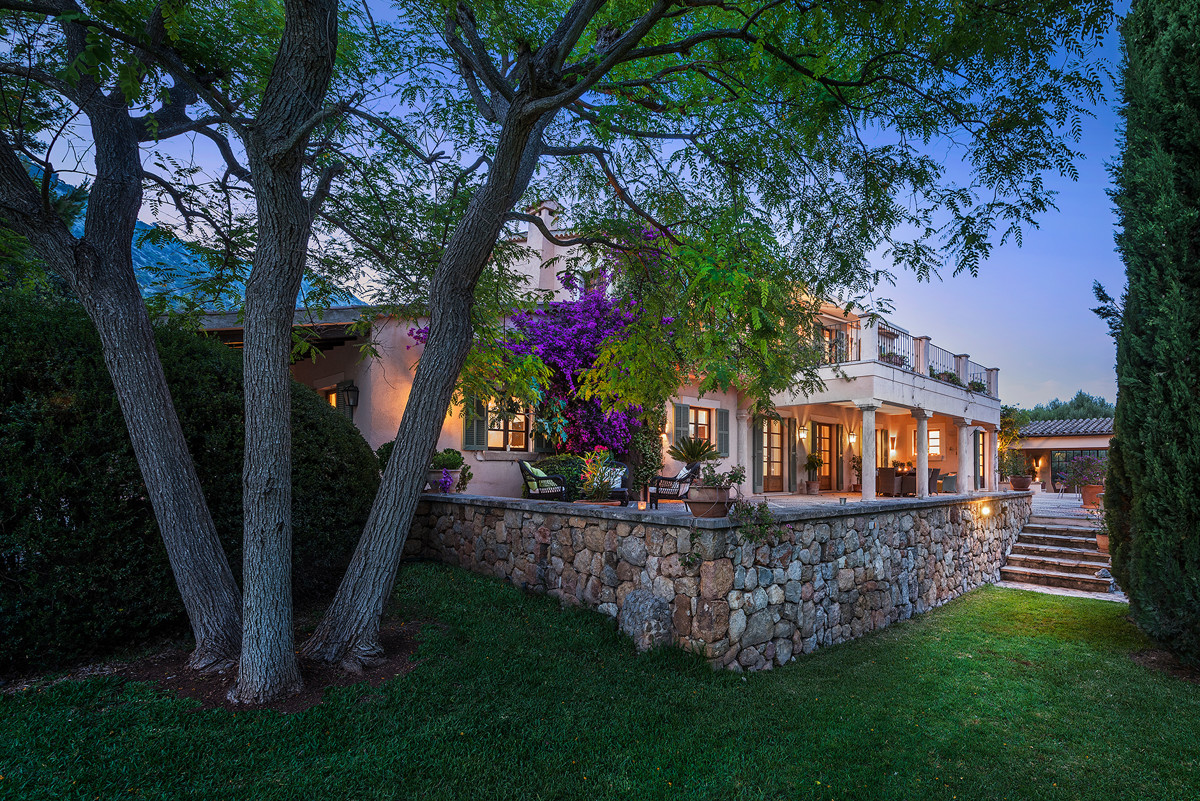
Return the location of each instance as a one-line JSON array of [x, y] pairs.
[[824, 446], [772, 456]]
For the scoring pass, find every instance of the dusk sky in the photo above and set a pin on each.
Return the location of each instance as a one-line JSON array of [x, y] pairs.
[[1029, 311]]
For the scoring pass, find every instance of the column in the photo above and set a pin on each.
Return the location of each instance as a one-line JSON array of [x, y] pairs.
[[994, 459], [922, 417], [868, 446], [921, 355], [870, 343], [743, 446], [993, 381], [966, 454], [962, 367]]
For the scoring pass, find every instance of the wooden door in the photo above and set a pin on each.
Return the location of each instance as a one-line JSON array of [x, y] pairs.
[[772, 455], [824, 446]]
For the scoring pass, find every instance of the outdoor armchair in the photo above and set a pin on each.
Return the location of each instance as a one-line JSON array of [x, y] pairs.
[[672, 488], [537, 484]]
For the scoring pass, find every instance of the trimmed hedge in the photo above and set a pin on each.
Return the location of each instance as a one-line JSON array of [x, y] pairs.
[[82, 566]]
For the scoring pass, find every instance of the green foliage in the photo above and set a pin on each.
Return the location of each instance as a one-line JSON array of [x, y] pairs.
[[691, 450], [1013, 463], [946, 376], [1081, 407], [383, 452], [570, 467], [1154, 504], [756, 522], [448, 459], [812, 464], [710, 476], [645, 450], [1011, 420], [82, 566], [593, 479]]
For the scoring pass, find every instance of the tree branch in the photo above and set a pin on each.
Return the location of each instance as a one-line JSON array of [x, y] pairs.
[[538, 222]]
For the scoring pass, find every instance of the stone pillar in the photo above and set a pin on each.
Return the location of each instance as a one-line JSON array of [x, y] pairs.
[[966, 454], [922, 417], [993, 381], [868, 446], [743, 447], [994, 459], [962, 367], [921, 355], [870, 343]]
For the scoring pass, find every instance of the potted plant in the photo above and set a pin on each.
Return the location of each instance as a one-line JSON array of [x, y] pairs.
[[1087, 473], [813, 464], [856, 466], [709, 497], [693, 450], [594, 478], [444, 470], [1013, 465]]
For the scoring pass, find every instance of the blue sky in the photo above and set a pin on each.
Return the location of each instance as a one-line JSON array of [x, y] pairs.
[[1029, 310]]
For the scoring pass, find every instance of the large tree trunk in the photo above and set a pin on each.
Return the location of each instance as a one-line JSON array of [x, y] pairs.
[[348, 634], [276, 148], [100, 270]]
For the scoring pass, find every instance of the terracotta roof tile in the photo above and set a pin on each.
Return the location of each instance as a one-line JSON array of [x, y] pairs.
[[1068, 428]]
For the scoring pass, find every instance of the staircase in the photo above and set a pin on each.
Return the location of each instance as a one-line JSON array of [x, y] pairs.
[[1057, 552]]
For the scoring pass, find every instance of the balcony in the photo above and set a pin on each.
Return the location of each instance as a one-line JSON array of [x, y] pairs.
[[844, 342]]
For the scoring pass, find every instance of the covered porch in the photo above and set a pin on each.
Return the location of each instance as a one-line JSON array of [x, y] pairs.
[[867, 450]]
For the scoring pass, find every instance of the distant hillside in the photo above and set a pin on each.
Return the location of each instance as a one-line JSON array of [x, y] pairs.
[[166, 264]]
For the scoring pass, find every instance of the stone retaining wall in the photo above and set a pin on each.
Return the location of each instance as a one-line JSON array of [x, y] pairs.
[[840, 572]]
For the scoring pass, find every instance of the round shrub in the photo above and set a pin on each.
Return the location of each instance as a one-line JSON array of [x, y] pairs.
[[82, 566]]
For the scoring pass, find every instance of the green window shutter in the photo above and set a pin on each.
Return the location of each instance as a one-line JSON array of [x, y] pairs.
[[756, 455], [474, 425], [793, 453], [682, 421], [723, 431], [839, 459], [541, 443], [344, 408]]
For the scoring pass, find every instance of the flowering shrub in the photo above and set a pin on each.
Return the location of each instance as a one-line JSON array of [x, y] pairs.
[[446, 481], [594, 477], [1084, 470], [566, 336]]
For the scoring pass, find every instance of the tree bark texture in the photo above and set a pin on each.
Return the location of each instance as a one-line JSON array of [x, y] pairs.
[[349, 632], [99, 267], [275, 148]]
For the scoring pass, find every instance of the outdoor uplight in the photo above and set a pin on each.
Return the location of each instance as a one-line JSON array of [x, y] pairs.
[[987, 510]]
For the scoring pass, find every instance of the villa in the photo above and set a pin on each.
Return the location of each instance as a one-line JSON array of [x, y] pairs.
[[890, 397]]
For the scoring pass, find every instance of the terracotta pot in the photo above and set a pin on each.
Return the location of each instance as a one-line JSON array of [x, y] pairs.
[[812, 487], [1102, 542], [708, 501], [1091, 495], [1020, 482], [434, 477], [856, 487]]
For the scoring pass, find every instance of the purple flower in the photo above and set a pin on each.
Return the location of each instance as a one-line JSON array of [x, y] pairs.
[[446, 481]]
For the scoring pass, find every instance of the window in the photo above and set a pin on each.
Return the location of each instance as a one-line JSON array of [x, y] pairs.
[[1060, 459], [700, 422], [508, 429], [331, 397], [935, 442]]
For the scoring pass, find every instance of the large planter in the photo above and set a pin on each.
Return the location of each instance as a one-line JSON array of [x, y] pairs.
[[1091, 495], [708, 501], [1101, 542], [434, 477], [1020, 483], [812, 487]]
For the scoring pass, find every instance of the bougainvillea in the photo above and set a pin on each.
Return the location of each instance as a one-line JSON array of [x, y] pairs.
[[566, 336]]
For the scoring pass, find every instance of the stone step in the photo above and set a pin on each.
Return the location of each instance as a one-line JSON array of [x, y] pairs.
[[1081, 567], [1057, 540], [1059, 528], [1058, 552], [1054, 578]]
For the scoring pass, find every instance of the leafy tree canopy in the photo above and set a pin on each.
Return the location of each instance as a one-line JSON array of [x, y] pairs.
[[1081, 407]]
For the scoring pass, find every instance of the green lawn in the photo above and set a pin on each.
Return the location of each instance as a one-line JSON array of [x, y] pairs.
[[1001, 694]]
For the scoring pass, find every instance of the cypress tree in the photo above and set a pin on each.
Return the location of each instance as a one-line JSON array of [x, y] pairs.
[[1153, 491]]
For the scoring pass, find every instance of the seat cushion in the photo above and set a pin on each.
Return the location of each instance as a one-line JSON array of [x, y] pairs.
[[613, 475]]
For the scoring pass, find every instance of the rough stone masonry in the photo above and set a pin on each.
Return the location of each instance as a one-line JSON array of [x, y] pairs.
[[840, 572]]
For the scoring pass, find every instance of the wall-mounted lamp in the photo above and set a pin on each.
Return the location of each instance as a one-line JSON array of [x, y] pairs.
[[351, 393], [804, 433], [852, 437], [893, 445]]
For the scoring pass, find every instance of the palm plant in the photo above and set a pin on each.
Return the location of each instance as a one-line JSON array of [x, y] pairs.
[[692, 450]]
